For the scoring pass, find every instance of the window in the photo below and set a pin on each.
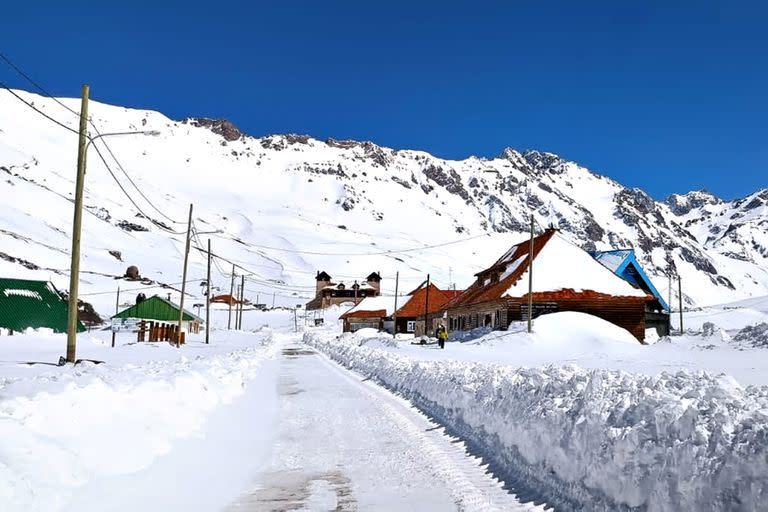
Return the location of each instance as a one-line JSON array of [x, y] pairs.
[[410, 326]]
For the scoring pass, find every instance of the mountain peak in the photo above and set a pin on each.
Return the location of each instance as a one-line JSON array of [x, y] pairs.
[[681, 204]]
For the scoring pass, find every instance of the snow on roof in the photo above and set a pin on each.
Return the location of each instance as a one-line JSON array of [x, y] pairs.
[[22, 293], [386, 304], [561, 265], [612, 260]]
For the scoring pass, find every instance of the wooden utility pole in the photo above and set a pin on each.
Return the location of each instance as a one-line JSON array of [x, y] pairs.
[[530, 281], [680, 293], [231, 297], [426, 309], [355, 287], [394, 315], [77, 224], [295, 321], [242, 300], [117, 307], [237, 306], [273, 300], [208, 298], [184, 277]]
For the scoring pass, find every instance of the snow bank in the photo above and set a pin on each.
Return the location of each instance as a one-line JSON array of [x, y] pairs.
[[567, 328], [104, 421], [592, 439]]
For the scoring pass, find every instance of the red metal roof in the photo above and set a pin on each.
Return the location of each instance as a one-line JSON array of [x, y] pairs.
[[519, 254], [225, 299], [417, 303], [480, 292]]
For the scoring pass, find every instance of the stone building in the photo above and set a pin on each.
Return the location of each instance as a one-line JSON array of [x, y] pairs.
[[329, 293]]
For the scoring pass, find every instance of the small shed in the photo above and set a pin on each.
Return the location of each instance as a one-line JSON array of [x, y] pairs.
[[369, 312], [163, 310], [26, 303]]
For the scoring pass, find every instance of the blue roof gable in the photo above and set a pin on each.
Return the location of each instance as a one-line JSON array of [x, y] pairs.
[[624, 264]]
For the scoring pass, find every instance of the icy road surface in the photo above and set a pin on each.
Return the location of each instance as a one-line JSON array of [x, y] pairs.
[[346, 444]]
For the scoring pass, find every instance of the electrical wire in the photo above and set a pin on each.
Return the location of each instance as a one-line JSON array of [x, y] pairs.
[[96, 129], [146, 287], [380, 253], [4, 86]]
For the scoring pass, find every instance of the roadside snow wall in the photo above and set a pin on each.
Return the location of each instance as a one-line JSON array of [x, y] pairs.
[[590, 439], [103, 421]]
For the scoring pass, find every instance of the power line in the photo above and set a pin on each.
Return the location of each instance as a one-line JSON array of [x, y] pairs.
[[125, 192], [95, 147], [380, 253], [4, 86], [96, 129], [146, 287]]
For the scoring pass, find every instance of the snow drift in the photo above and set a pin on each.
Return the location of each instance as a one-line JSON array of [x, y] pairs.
[[99, 421], [590, 439]]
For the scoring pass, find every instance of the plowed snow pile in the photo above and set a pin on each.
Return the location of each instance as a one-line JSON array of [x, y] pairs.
[[593, 439], [69, 427]]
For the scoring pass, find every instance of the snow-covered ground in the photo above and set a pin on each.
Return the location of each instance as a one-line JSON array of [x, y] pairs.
[[250, 421], [348, 445], [578, 414], [581, 415], [72, 434]]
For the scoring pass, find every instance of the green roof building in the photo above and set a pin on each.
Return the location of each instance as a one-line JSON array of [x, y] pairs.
[[25, 303], [157, 308]]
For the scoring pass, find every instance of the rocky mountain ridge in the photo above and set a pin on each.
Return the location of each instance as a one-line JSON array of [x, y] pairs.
[[285, 206]]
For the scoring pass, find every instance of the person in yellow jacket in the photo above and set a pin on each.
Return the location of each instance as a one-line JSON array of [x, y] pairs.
[[442, 335]]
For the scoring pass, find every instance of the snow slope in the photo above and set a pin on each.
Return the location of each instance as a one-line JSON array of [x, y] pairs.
[[285, 206]]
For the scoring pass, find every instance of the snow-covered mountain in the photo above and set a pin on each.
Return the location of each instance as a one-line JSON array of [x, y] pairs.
[[285, 206]]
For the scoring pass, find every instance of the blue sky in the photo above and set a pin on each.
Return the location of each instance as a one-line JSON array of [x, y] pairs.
[[666, 96]]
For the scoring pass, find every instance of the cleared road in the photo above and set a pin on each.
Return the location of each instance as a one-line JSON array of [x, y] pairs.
[[345, 444]]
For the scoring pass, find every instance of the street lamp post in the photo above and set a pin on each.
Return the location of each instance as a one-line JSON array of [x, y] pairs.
[[74, 276]]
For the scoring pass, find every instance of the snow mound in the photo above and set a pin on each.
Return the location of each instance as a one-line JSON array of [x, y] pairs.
[[582, 439], [368, 332], [570, 327], [108, 421]]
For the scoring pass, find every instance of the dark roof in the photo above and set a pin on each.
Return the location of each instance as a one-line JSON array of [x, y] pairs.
[[322, 276], [374, 277], [377, 313], [415, 306], [156, 308], [26, 303]]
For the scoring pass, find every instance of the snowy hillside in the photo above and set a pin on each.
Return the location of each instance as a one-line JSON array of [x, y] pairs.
[[285, 206]]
